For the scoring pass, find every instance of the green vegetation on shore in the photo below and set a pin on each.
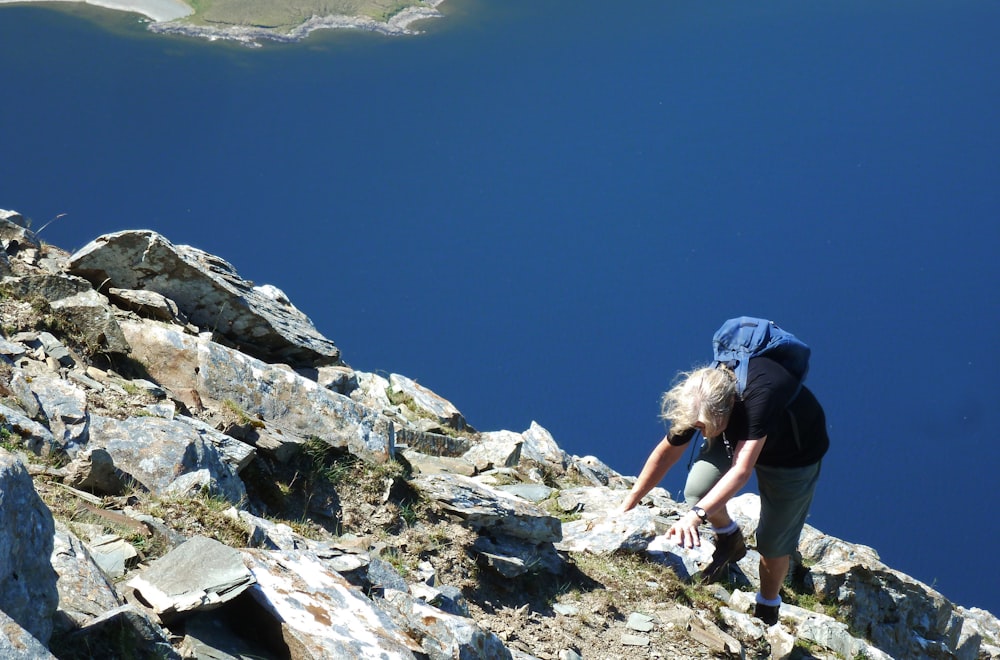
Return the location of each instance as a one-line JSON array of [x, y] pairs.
[[284, 15]]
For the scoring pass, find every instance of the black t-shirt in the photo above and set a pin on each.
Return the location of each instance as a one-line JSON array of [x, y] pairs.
[[764, 411]]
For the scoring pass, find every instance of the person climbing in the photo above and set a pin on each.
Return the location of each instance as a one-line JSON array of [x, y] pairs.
[[771, 424]]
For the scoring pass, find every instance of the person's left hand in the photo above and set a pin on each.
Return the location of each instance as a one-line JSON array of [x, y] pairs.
[[684, 532]]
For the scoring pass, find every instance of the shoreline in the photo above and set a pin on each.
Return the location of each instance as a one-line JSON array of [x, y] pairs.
[[398, 25], [166, 17], [154, 10]]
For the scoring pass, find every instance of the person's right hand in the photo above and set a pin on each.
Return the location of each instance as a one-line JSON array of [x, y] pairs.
[[684, 532]]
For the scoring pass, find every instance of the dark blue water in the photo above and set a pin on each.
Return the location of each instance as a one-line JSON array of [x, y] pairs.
[[542, 211]]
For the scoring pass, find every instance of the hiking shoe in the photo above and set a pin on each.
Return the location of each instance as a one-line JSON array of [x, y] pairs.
[[728, 548], [766, 613]]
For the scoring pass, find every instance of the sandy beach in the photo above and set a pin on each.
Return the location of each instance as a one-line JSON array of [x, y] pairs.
[[157, 10]]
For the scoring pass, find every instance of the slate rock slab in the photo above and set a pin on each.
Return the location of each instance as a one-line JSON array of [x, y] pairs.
[[85, 592], [16, 643], [321, 614], [284, 400], [156, 452], [28, 592], [489, 509], [604, 533], [198, 575], [209, 292]]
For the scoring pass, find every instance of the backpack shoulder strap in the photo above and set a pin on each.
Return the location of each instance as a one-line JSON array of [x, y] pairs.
[[735, 343], [745, 337]]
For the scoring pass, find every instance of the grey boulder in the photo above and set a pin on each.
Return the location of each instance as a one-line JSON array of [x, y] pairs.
[[209, 292]]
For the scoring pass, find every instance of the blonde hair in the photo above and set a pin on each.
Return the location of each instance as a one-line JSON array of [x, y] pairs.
[[704, 395]]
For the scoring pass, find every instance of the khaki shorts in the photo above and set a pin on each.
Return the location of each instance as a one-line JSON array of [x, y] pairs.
[[785, 497]]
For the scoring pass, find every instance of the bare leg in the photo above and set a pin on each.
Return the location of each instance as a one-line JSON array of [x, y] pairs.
[[720, 519], [772, 574]]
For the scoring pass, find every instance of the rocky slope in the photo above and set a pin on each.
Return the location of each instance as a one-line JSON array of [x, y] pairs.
[[190, 469]]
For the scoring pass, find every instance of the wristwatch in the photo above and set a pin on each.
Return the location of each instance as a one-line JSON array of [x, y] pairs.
[[701, 513]]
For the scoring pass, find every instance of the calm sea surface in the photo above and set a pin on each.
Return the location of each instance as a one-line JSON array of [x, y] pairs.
[[542, 210]]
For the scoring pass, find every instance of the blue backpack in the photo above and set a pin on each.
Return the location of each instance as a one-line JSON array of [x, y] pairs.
[[745, 337]]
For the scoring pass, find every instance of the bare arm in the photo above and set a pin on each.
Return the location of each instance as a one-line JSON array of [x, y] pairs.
[[660, 460], [744, 458]]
